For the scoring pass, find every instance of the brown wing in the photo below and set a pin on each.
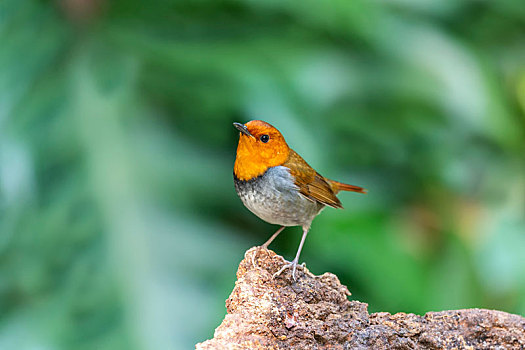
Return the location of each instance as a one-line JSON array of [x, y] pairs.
[[311, 184]]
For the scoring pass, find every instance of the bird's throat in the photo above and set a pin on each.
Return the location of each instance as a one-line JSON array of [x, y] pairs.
[[253, 160]]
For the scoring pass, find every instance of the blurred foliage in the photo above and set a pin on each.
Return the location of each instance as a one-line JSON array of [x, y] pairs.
[[119, 224]]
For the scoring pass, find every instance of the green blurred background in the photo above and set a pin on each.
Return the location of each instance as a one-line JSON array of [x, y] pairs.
[[119, 224]]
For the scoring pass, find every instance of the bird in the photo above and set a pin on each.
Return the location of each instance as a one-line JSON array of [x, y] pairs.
[[278, 185]]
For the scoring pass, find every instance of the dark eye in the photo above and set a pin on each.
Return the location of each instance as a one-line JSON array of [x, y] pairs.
[[264, 138]]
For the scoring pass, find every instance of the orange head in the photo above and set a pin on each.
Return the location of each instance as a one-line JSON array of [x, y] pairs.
[[261, 146]]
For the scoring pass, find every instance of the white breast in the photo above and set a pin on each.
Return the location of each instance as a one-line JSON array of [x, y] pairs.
[[275, 198]]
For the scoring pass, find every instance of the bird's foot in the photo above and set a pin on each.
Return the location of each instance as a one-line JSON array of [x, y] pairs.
[[293, 265], [256, 252]]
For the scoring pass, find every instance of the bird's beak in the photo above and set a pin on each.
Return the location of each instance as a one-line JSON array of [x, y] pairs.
[[242, 128]]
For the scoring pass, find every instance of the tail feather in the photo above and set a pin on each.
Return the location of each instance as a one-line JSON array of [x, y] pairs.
[[339, 186]]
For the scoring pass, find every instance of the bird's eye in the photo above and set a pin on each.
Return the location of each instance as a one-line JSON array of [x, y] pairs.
[[264, 138]]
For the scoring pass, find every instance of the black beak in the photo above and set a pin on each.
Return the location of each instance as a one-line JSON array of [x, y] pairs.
[[242, 128]]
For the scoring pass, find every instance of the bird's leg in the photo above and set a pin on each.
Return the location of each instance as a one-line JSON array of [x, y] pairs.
[[294, 262], [267, 243]]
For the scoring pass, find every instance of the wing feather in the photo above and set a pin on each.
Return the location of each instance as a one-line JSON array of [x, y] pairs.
[[311, 184]]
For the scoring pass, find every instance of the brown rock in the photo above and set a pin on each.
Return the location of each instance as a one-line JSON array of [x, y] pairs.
[[315, 313]]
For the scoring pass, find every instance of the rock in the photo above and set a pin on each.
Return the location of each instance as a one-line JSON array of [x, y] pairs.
[[314, 313]]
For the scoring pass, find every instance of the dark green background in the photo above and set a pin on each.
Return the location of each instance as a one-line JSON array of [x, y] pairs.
[[119, 224]]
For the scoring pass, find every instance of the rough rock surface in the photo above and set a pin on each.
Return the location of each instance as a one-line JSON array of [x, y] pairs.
[[315, 313]]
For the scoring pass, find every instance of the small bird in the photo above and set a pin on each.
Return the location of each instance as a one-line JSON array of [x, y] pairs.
[[277, 185]]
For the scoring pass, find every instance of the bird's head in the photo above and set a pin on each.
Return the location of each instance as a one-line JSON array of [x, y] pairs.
[[261, 146]]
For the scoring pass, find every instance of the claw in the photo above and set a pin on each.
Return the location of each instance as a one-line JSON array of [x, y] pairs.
[[254, 255], [292, 265]]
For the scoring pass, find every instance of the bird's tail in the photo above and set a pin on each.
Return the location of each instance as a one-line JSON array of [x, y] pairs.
[[339, 186]]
